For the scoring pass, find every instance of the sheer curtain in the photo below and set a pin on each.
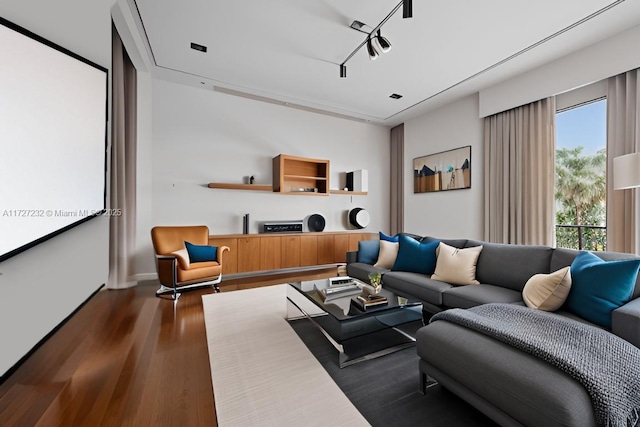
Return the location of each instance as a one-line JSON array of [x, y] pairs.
[[123, 166], [397, 180], [519, 178], [623, 134]]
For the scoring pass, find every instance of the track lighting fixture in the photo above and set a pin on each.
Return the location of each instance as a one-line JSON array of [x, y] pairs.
[[383, 43], [373, 53]]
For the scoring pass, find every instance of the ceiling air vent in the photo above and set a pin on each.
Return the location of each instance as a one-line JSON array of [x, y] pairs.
[[395, 96], [198, 47]]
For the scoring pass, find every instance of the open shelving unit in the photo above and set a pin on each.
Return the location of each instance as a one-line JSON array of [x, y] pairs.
[[300, 175], [231, 186]]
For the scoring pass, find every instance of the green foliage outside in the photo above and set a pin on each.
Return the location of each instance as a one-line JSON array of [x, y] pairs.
[[581, 196]]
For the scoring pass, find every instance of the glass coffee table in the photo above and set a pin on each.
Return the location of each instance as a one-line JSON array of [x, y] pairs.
[[358, 334]]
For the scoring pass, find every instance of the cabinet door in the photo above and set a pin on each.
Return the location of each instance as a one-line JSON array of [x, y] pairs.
[[291, 246], [270, 253], [248, 254], [353, 241], [230, 258], [340, 247], [326, 253], [308, 250]]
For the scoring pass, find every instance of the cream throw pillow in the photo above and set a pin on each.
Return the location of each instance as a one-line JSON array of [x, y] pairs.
[[457, 266], [547, 291], [387, 255]]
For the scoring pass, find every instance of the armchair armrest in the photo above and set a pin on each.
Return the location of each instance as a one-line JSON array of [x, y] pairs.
[[625, 322], [352, 257], [221, 250], [166, 266]]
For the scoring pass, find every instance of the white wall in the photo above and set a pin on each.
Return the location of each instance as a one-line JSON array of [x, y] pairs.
[[42, 286], [201, 136], [456, 213], [607, 58]]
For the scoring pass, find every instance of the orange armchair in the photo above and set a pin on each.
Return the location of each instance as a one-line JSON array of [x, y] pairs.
[[175, 271]]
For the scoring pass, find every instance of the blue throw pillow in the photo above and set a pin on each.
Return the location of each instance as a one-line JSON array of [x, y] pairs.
[[368, 251], [599, 287], [393, 239], [204, 253], [415, 256]]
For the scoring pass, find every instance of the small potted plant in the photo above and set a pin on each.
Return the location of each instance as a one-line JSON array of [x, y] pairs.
[[375, 279]]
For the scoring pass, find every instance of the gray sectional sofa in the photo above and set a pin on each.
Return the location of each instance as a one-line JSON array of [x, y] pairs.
[[508, 385]]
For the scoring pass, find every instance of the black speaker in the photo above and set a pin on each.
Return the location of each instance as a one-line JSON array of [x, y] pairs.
[[316, 222], [359, 218], [350, 181]]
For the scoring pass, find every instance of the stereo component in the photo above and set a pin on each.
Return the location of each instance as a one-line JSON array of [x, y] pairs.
[[281, 227]]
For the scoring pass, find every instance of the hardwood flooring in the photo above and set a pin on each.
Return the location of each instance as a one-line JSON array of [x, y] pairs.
[[126, 358]]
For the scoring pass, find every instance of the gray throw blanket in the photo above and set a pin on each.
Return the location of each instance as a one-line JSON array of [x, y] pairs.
[[607, 366]]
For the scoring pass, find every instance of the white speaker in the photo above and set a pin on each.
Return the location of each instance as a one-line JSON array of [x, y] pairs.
[[358, 180], [359, 217]]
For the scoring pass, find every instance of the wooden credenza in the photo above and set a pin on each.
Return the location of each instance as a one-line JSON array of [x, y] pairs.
[[261, 252]]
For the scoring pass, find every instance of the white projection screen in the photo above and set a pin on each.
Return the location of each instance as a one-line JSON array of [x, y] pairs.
[[53, 121]]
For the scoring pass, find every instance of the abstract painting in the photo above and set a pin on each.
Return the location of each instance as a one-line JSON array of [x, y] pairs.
[[449, 170]]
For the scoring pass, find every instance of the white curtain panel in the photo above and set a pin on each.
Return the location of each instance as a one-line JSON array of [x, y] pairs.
[[519, 179], [623, 130], [123, 167]]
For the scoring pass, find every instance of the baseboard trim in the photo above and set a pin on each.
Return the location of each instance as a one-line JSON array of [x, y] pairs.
[[39, 344]]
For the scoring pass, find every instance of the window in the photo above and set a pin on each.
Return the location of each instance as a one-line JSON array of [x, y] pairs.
[[581, 139]]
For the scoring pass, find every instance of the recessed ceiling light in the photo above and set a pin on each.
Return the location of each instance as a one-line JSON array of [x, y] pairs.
[[198, 47], [395, 96]]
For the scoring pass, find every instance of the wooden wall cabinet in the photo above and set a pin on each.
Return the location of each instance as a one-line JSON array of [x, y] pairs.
[[267, 252], [292, 175]]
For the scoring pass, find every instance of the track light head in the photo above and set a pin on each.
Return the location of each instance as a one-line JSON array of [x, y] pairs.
[[383, 43], [373, 53], [407, 8], [343, 71]]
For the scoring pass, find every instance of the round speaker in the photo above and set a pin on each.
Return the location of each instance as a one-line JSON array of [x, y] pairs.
[[359, 218], [316, 222]]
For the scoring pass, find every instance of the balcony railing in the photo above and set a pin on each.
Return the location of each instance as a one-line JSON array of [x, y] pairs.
[[587, 237]]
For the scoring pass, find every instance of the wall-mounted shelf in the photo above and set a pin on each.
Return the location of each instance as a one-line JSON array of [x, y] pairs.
[[291, 173], [353, 193], [251, 187]]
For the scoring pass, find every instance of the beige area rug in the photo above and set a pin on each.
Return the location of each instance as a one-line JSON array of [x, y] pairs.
[[263, 375]]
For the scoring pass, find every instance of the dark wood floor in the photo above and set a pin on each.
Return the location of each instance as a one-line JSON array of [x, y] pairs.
[[125, 358]]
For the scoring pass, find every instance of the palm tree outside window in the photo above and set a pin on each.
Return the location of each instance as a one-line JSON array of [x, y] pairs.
[[581, 177]]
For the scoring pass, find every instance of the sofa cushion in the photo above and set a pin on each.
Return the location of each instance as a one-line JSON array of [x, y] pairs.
[[563, 257], [510, 266], [547, 292], [470, 296], [415, 285], [387, 238], [529, 390], [457, 266], [415, 256], [456, 243], [599, 286], [360, 271], [387, 255], [368, 251]]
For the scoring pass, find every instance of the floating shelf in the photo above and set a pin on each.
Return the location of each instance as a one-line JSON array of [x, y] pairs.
[[353, 193], [250, 187]]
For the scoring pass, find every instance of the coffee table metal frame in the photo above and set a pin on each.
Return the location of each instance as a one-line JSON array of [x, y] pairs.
[[333, 317]]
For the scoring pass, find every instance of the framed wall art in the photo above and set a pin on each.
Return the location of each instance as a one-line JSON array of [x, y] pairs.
[[448, 170]]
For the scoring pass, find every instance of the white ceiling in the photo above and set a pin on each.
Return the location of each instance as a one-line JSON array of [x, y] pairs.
[[289, 50]]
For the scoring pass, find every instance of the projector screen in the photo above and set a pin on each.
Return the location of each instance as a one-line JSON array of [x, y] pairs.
[[53, 121]]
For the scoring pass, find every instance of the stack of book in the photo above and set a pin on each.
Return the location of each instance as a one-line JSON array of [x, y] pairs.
[[367, 301]]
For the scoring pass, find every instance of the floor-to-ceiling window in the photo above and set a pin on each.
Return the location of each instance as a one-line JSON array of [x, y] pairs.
[[581, 139]]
